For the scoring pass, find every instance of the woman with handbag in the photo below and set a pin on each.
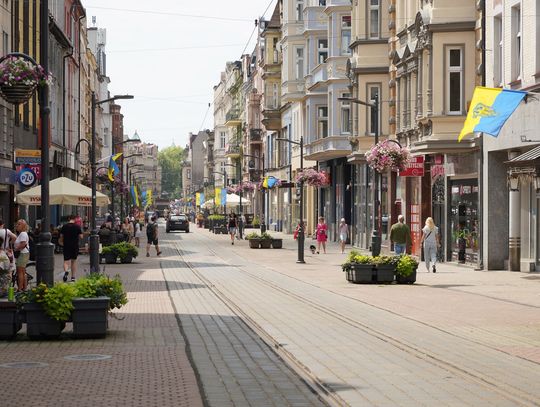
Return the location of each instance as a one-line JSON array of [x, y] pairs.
[[430, 244], [22, 254]]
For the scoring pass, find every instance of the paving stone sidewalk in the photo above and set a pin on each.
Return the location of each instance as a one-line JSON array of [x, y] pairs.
[[148, 364], [459, 369]]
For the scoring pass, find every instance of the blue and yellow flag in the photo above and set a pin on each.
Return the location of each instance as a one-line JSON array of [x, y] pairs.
[[489, 110], [135, 196], [113, 168], [223, 196], [197, 199], [269, 182], [217, 196], [149, 199], [143, 199]]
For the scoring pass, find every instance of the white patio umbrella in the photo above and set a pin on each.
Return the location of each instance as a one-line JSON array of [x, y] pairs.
[[63, 191]]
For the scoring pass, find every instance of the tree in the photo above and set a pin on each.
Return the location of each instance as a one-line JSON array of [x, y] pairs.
[[171, 159]]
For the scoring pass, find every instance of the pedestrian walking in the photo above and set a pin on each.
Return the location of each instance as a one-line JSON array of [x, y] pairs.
[[430, 244], [400, 235], [21, 253], [138, 232], [127, 230], [343, 230], [5, 270], [9, 238], [70, 234], [232, 225], [152, 236], [322, 235]]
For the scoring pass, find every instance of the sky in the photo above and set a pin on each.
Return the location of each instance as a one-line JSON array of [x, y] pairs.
[[170, 58]]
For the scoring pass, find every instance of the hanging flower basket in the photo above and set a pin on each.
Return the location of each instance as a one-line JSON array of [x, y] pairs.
[[312, 177], [388, 155], [19, 78]]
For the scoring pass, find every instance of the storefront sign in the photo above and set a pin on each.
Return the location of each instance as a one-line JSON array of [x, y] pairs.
[[415, 168], [27, 178], [27, 156]]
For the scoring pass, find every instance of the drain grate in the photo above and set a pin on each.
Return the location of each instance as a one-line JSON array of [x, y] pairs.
[[88, 357], [23, 365]]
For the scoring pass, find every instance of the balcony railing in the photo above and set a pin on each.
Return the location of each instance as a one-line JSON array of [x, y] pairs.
[[233, 150], [255, 135], [233, 115]]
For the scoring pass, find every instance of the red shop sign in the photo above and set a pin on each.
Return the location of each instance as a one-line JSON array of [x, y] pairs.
[[415, 168]]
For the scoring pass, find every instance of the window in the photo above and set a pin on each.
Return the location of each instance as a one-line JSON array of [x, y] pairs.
[[275, 96], [188, 174], [5, 43], [299, 63], [322, 121], [497, 51], [374, 11], [516, 43], [299, 10], [346, 115], [454, 81], [322, 2], [275, 59], [345, 35], [322, 50], [222, 139], [374, 92]]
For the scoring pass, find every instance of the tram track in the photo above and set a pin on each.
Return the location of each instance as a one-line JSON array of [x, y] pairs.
[[506, 391]]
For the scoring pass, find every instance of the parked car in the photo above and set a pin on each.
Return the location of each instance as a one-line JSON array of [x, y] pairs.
[[177, 222]]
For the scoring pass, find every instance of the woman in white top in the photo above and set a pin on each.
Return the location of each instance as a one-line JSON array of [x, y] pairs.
[[9, 237], [138, 233], [343, 234], [431, 242], [21, 245]]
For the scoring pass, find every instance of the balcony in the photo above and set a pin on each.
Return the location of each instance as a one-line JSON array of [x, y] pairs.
[[255, 136], [328, 148], [271, 113], [232, 118], [233, 151]]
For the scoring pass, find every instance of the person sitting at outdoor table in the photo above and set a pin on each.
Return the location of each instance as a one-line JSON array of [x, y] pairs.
[[105, 232]]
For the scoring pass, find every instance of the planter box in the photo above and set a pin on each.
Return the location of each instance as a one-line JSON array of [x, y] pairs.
[[10, 322], [110, 258], [277, 243], [385, 273], [410, 279], [90, 317], [254, 243], [126, 260], [266, 243], [361, 273], [39, 325]]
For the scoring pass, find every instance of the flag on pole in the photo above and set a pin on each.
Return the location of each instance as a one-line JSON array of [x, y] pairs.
[[217, 196], [489, 110], [149, 199], [197, 199], [113, 167], [223, 196], [144, 199], [269, 182]]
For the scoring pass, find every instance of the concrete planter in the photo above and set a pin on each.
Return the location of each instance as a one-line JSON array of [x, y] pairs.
[[90, 317], [384, 273], [126, 260], [10, 322], [254, 243], [110, 258], [410, 279], [266, 243], [277, 243], [39, 325], [361, 273]]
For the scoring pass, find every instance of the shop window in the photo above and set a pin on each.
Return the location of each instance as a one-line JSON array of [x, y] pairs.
[[464, 218]]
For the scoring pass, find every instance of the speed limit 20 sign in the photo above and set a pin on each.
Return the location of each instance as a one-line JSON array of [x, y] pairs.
[[27, 177]]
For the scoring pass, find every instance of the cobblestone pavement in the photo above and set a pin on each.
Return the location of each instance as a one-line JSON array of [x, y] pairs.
[[147, 364], [458, 337]]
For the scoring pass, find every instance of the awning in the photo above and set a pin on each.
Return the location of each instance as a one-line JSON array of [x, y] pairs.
[[526, 158]]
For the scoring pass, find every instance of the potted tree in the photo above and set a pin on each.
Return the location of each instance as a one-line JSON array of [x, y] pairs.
[[406, 269], [126, 252], [385, 268], [266, 240], [254, 240], [358, 268], [110, 254]]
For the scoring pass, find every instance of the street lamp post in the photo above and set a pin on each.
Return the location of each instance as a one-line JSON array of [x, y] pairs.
[[375, 235], [94, 237], [301, 232], [44, 248]]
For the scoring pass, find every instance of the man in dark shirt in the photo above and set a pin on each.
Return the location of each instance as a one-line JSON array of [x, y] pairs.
[[70, 235], [400, 235]]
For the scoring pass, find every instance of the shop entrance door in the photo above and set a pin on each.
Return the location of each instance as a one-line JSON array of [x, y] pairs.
[[437, 204]]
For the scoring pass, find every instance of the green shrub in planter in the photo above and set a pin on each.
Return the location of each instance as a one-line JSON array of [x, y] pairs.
[[56, 300], [266, 236], [253, 235], [406, 269], [126, 251]]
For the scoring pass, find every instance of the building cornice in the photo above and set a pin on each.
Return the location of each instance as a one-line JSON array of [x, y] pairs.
[[370, 41], [452, 27], [371, 70]]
